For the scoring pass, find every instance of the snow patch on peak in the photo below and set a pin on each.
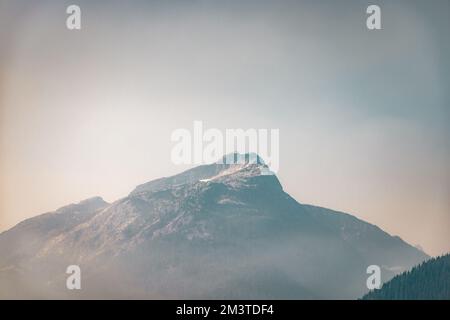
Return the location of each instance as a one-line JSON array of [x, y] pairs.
[[241, 170]]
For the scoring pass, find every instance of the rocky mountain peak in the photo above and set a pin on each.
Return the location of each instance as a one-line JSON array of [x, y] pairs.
[[233, 165]]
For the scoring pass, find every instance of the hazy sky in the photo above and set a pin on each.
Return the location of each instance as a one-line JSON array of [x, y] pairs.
[[363, 115]]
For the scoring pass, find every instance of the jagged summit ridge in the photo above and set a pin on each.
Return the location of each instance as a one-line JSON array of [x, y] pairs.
[[241, 158], [232, 165]]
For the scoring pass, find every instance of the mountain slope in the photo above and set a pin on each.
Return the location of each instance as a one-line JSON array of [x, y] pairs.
[[215, 231], [428, 281]]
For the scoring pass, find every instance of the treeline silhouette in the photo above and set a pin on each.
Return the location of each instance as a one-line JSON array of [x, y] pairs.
[[427, 281]]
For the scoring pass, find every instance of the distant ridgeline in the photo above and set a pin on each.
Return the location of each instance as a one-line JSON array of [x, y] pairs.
[[428, 281]]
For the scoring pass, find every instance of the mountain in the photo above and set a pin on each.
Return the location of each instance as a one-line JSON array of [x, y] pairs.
[[215, 231], [427, 281]]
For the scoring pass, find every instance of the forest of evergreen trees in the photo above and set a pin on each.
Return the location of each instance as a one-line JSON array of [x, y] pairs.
[[428, 281]]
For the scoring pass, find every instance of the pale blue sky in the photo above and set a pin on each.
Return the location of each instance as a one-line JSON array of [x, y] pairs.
[[363, 115]]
